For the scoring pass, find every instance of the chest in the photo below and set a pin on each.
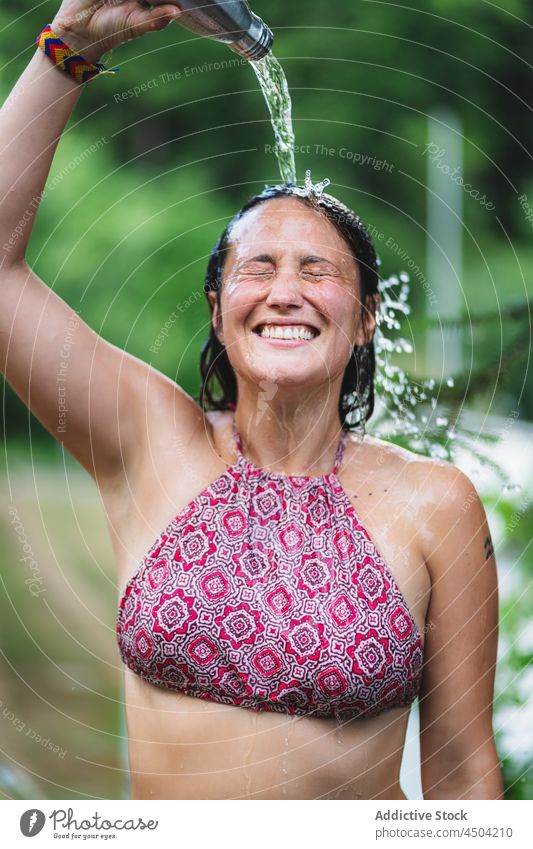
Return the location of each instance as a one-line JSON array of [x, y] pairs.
[[267, 592], [163, 488]]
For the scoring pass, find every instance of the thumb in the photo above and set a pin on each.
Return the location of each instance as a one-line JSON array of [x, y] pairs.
[[161, 16], [142, 20]]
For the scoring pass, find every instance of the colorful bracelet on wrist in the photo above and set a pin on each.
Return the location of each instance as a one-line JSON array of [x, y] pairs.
[[68, 60]]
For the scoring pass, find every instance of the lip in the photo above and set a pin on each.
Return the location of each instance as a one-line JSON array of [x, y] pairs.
[[286, 323], [284, 343]]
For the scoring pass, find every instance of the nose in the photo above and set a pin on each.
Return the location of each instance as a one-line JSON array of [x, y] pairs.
[[284, 289]]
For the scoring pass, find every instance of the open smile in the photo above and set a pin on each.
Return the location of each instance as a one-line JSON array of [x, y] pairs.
[[285, 335]]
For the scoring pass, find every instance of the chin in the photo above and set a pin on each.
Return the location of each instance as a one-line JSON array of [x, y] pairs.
[[282, 375]]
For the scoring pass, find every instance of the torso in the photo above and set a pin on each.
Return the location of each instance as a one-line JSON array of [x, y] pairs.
[[182, 747]]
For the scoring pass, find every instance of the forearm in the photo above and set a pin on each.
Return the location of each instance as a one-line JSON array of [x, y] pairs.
[[32, 120], [36, 112], [478, 777]]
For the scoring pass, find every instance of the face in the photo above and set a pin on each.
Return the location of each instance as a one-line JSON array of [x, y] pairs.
[[289, 272]]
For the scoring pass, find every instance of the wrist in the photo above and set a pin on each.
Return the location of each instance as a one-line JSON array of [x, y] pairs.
[[91, 52]]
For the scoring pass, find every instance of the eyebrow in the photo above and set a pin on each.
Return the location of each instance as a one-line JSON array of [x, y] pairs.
[[307, 260], [259, 258]]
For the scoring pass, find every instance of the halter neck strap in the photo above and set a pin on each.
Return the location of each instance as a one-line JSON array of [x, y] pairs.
[[338, 454], [340, 451]]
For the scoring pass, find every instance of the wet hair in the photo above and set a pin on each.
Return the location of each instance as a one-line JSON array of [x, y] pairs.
[[356, 400]]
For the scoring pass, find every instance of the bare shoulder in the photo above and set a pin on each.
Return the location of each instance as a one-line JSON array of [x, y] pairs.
[[453, 526], [440, 480], [435, 494]]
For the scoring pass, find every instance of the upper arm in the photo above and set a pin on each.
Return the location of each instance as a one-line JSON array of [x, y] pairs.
[[457, 747], [90, 395]]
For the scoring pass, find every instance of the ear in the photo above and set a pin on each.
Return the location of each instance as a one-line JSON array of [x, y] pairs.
[[367, 322], [216, 320]]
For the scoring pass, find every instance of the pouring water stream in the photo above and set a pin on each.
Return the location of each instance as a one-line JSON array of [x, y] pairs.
[[410, 410]]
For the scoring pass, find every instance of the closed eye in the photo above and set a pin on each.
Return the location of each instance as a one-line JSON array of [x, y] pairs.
[[252, 276], [255, 269], [315, 266], [315, 274]]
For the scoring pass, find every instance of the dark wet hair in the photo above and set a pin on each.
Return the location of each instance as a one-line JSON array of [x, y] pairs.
[[356, 400]]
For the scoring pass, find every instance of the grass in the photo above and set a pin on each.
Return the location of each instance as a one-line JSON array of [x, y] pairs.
[[60, 710]]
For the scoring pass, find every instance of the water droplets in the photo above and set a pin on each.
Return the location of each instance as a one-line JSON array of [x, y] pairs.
[[284, 770], [405, 401], [316, 189], [438, 452], [511, 487]]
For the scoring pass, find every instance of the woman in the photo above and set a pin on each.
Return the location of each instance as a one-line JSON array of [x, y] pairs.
[[273, 637]]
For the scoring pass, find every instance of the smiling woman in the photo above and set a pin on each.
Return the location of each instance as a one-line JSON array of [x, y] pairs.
[[314, 625], [352, 266]]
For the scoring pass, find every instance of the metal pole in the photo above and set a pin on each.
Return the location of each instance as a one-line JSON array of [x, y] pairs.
[[444, 155]]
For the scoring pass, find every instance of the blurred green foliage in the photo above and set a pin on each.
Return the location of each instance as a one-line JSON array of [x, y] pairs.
[[124, 232], [513, 704]]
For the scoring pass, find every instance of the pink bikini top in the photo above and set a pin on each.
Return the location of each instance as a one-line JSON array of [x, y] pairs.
[[267, 592]]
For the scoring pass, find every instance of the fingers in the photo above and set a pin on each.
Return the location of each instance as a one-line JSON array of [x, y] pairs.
[[166, 13], [141, 20]]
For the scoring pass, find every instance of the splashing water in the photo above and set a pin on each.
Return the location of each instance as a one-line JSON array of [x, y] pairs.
[[316, 189], [399, 393], [410, 414], [276, 93]]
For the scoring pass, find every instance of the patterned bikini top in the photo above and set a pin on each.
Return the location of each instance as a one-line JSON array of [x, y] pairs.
[[267, 592]]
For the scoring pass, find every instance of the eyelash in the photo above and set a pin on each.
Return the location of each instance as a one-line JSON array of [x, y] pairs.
[[266, 273]]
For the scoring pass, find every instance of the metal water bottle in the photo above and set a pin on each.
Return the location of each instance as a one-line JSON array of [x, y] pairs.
[[229, 21]]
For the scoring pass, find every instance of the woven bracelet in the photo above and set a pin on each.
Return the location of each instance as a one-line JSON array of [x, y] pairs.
[[68, 60]]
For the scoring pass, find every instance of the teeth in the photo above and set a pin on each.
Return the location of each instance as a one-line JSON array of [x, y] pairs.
[[269, 331]]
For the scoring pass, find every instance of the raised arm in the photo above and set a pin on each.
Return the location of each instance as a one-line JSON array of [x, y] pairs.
[[89, 394], [458, 753]]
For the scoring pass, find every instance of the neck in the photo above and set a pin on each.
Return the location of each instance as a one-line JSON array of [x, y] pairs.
[[287, 438]]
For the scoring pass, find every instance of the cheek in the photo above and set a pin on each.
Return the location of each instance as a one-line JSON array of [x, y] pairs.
[[341, 309], [239, 295], [237, 304]]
